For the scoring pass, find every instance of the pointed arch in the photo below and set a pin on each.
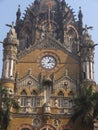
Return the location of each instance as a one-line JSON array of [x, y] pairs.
[[60, 90], [34, 89], [61, 94], [24, 89], [71, 26], [60, 99], [35, 101], [34, 93], [23, 93], [47, 127], [25, 127]]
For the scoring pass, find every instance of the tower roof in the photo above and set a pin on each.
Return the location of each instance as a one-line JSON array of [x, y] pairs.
[[11, 36], [87, 37]]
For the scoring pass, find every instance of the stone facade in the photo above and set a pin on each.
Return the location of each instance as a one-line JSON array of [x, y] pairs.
[[47, 56]]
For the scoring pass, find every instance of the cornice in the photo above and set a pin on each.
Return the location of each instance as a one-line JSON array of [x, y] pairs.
[[30, 115]]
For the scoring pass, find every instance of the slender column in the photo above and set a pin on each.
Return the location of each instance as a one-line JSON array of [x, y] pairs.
[[6, 69], [11, 68], [91, 71], [44, 94], [84, 69], [87, 70]]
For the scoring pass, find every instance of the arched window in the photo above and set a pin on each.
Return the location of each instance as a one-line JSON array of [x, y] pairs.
[[23, 93], [34, 93], [23, 98], [60, 99], [35, 99]]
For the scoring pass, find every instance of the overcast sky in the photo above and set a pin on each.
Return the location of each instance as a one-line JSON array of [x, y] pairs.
[[8, 10]]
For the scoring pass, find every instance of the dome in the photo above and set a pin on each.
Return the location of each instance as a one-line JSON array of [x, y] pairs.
[[46, 18]]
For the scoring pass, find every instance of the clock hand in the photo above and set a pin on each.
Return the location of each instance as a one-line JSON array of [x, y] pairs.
[[50, 61]]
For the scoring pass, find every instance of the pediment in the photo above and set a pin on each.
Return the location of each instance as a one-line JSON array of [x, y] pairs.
[[27, 81], [66, 83]]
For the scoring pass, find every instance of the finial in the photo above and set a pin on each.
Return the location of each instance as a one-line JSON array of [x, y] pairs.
[[12, 32], [79, 7], [86, 31], [87, 27], [80, 23], [18, 6], [18, 13], [12, 24], [80, 15], [87, 36], [63, 3]]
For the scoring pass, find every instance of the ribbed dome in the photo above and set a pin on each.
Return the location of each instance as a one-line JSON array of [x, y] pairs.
[[44, 18]]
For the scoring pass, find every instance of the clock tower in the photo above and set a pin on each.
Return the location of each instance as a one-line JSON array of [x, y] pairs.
[[48, 54]]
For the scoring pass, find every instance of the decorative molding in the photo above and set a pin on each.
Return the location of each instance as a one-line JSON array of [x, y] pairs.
[[48, 43], [26, 82]]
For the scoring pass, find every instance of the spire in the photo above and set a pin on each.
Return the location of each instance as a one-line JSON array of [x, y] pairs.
[[36, 2], [49, 11], [18, 13], [63, 3], [80, 23], [80, 15]]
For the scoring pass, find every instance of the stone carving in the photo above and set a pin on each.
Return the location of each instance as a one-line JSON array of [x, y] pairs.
[[36, 122], [29, 108], [57, 122], [70, 40], [56, 103], [46, 108], [27, 81], [12, 36]]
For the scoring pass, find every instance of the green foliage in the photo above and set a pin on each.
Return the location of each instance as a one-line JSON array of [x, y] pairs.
[[6, 103], [86, 106]]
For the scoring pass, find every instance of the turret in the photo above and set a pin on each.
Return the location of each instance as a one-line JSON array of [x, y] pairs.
[[87, 57], [10, 45]]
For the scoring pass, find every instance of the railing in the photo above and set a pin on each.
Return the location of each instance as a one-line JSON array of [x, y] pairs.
[[34, 104], [27, 110]]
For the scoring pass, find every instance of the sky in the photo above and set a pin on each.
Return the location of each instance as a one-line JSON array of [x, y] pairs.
[[8, 9]]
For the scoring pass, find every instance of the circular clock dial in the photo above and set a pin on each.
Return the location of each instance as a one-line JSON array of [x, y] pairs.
[[48, 62]]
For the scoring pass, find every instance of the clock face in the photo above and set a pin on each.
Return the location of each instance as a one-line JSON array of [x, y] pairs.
[[48, 62]]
